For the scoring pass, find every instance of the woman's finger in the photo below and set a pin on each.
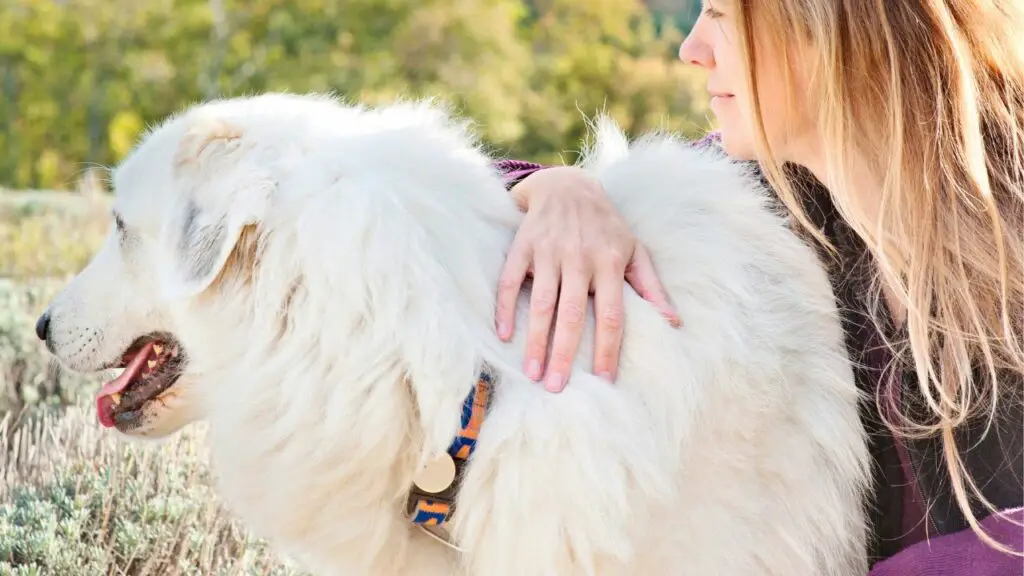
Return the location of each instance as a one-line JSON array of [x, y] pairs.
[[642, 276], [517, 263], [608, 310], [543, 298], [572, 313]]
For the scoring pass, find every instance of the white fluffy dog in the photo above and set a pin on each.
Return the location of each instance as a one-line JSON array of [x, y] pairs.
[[318, 282]]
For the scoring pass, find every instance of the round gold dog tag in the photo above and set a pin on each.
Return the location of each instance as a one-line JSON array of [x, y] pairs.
[[437, 475]]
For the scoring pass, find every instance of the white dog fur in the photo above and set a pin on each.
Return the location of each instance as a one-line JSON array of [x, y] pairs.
[[332, 271]]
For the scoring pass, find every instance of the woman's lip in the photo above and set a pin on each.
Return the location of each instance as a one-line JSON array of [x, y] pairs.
[[716, 101]]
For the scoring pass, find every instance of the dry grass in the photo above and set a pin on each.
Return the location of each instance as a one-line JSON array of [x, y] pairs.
[[45, 237], [50, 234], [75, 500]]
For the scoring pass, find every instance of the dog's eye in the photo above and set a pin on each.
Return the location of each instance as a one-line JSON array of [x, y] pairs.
[[122, 230]]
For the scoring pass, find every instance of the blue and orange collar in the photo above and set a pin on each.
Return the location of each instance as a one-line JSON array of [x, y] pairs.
[[431, 499]]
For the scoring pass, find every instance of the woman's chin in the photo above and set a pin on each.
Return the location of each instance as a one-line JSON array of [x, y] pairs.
[[737, 147]]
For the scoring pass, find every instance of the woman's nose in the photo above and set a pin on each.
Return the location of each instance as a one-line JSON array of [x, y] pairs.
[[696, 50]]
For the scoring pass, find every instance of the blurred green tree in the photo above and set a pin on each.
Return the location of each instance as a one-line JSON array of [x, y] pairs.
[[81, 79]]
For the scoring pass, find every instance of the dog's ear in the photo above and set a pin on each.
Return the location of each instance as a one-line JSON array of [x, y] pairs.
[[221, 190], [415, 309], [442, 364]]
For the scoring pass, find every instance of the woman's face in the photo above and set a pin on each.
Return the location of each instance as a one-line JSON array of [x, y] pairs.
[[714, 44]]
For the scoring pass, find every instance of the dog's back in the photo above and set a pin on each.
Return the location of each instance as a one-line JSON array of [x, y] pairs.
[[730, 445]]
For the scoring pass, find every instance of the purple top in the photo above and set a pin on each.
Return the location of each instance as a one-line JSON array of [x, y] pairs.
[[906, 549]]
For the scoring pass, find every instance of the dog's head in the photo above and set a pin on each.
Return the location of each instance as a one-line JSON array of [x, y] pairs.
[[185, 201], [271, 242]]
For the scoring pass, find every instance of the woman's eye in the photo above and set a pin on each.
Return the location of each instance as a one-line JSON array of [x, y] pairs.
[[710, 12]]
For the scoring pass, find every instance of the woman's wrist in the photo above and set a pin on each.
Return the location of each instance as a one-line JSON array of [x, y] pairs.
[[554, 180], [521, 196], [515, 171]]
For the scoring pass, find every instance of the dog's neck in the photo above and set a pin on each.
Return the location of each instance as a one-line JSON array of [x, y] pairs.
[[349, 410], [436, 486], [363, 365]]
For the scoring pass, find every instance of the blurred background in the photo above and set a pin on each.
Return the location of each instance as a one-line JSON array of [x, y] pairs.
[[82, 79]]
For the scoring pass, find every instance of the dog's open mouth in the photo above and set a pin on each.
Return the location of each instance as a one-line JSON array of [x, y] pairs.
[[152, 364]]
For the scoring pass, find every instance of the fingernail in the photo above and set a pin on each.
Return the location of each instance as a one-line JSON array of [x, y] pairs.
[[503, 331], [607, 376], [672, 318], [554, 382], [533, 370]]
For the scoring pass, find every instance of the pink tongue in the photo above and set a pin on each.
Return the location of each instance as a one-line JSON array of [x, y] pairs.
[[105, 404]]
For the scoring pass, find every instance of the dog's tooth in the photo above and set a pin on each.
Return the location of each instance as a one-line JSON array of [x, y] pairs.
[[151, 364], [116, 398], [158, 349]]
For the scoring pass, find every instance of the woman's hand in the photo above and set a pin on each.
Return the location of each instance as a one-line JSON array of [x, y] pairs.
[[572, 242]]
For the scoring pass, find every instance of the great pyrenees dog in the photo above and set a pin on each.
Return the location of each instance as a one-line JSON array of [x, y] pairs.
[[317, 281]]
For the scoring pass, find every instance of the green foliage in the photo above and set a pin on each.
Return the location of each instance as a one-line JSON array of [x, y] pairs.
[[80, 79]]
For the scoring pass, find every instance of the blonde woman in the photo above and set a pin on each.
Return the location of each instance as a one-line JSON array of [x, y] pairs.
[[893, 131]]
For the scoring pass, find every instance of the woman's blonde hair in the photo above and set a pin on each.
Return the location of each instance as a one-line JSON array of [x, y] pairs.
[[931, 94]]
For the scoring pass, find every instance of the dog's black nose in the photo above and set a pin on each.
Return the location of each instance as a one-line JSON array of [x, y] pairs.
[[43, 326]]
